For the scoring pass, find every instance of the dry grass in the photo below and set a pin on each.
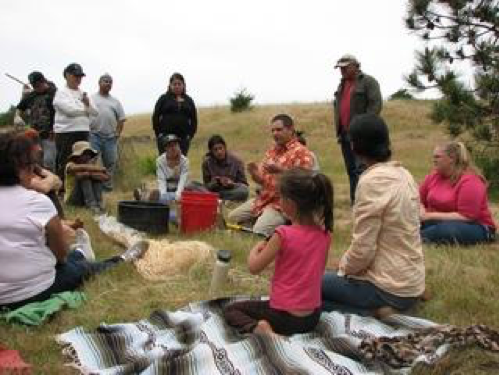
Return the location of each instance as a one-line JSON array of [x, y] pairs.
[[463, 281]]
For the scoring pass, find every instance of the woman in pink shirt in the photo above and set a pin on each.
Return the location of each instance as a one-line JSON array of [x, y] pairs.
[[300, 251], [455, 208]]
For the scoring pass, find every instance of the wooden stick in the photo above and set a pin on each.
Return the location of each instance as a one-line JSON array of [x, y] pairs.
[[16, 79]]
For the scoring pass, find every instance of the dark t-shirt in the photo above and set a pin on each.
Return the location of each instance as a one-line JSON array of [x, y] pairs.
[[41, 110]]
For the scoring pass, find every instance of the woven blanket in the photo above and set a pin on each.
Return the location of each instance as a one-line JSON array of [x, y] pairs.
[[196, 340]]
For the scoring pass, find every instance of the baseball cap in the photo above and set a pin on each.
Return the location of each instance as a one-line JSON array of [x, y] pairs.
[[74, 69], [168, 138], [35, 77], [106, 77], [346, 60]]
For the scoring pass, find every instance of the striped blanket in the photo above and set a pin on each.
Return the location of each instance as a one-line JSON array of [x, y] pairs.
[[196, 340]]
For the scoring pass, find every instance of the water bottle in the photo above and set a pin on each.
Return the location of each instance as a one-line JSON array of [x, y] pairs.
[[220, 271]]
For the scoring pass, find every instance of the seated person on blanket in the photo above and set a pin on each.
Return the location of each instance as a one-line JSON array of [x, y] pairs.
[[85, 178], [383, 269], [264, 211], [223, 172], [300, 252], [43, 181], [455, 208], [34, 251], [172, 174]]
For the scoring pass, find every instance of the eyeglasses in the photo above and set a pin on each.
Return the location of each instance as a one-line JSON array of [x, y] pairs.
[[106, 81]]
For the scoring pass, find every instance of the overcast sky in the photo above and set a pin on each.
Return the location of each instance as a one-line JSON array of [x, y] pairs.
[[280, 50]]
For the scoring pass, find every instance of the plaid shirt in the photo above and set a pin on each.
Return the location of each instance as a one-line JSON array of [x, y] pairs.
[[293, 154]]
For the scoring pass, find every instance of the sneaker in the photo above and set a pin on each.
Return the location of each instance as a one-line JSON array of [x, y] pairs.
[[135, 251], [83, 244]]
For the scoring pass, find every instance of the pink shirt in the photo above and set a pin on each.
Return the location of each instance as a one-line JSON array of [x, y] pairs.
[[467, 197], [299, 266]]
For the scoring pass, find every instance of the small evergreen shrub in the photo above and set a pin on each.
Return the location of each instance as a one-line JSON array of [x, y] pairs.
[[7, 118], [241, 101]]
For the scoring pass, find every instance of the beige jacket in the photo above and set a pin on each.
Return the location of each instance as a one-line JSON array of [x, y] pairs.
[[386, 245]]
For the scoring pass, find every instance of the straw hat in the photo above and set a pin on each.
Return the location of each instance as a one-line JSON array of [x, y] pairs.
[[80, 147]]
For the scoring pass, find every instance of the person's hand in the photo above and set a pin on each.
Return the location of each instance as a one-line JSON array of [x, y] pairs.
[[226, 181], [333, 264], [85, 100], [252, 167], [272, 168]]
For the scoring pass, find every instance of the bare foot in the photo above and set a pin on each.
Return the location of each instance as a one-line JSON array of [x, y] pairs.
[[263, 327]]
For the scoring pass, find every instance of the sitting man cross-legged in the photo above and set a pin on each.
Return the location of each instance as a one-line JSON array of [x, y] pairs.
[[265, 210]]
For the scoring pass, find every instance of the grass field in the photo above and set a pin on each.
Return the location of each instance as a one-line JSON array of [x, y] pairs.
[[463, 281]]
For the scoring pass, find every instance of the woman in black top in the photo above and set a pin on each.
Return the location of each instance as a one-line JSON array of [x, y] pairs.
[[175, 113]]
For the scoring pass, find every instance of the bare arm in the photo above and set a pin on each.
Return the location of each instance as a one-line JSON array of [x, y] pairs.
[[119, 127], [263, 253], [57, 238], [255, 173], [45, 181]]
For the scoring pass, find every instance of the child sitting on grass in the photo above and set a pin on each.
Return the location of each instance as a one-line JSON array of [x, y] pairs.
[[300, 252], [84, 178]]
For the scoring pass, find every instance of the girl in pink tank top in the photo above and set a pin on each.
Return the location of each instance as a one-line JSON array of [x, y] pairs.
[[300, 253]]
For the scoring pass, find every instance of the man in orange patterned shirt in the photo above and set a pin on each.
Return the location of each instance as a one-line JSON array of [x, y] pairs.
[[265, 209]]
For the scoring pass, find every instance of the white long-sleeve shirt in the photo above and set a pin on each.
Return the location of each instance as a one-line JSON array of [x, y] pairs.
[[71, 115], [172, 179]]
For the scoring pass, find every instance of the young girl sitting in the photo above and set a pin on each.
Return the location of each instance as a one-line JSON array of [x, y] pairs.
[[300, 252]]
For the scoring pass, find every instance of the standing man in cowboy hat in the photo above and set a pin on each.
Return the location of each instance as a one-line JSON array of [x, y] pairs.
[[357, 93], [106, 128], [73, 109]]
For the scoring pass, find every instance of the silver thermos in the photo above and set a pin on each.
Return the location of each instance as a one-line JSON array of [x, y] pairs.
[[220, 271]]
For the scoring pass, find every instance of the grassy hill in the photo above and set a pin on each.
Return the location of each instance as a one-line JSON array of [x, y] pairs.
[[463, 281]]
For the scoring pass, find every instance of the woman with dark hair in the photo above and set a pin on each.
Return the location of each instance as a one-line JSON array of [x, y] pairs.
[[175, 113], [383, 270], [455, 208], [223, 172], [34, 249]]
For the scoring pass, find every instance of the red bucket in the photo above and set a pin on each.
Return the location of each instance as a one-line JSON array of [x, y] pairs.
[[198, 211]]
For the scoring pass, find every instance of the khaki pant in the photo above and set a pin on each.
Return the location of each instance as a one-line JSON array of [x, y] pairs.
[[265, 224]]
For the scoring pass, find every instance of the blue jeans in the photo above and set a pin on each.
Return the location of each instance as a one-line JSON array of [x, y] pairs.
[[353, 164], [86, 192], [358, 296], [455, 232], [49, 153], [69, 276], [108, 148]]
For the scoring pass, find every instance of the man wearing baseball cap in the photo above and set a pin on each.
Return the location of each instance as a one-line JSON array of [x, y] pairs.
[[73, 109], [357, 93], [37, 107]]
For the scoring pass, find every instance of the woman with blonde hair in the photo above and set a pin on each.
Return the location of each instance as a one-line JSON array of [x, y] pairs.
[[455, 207]]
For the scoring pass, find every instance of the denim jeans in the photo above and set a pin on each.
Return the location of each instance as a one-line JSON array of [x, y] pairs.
[[108, 149], [455, 232], [87, 192], [49, 154], [353, 164], [358, 296], [69, 276]]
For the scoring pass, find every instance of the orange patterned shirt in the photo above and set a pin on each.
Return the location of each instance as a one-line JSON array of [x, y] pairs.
[[293, 154]]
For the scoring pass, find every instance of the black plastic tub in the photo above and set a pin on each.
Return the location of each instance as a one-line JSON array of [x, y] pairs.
[[149, 217]]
